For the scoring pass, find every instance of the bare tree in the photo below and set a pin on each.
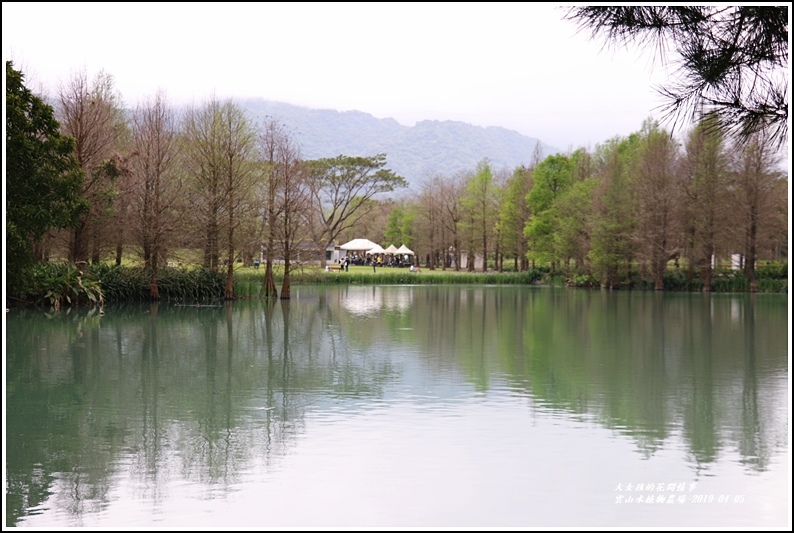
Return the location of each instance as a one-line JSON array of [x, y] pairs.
[[294, 199], [761, 195], [121, 219], [90, 111], [450, 194], [204, 163], [273, 141], [237, 146], [219, 151], [156, 184], [429, 221], [706, 187]]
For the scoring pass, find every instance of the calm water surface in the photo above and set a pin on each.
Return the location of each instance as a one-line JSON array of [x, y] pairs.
[[413, 406]]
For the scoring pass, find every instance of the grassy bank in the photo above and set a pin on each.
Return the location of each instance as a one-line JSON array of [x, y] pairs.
[[61, 284]]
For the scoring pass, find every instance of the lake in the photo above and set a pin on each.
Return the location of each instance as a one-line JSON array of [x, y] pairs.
[[403, 406]]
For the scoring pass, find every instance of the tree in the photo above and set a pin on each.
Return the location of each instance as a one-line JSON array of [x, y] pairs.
[[612, 211], [91, 112], [293, 202], [571, 213], [572, 219], [760, 195], [204, 163], [237, 149], [480, 201], [658, 193], [399, 225], [451, 195], [273, 141], [429, 221], [514, 214], [734, 59], [340, 188], [43, 177], [156, 188], [282, 203], [551, 178], [219, 150], [707, 209]]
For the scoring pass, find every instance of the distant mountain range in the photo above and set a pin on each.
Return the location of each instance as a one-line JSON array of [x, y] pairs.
[[417, 152]]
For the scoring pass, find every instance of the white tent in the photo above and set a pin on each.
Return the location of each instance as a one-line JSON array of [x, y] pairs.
[[359, 245], [404, 250], [391, 249], [376, 250]]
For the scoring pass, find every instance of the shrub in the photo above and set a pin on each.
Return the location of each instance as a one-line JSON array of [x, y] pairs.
[[57, 284], [772, 270]]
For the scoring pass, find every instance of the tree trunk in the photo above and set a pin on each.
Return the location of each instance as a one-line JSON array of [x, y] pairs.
[[269, 283], [285, 289], [659, 268], [154, 291], [749, 261], [705, 273], [96, 245], [78, 249]]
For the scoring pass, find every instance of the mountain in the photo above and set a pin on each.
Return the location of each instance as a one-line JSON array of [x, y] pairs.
[[414, 152]]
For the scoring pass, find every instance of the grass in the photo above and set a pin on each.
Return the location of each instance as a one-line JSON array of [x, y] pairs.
[[56, 284]]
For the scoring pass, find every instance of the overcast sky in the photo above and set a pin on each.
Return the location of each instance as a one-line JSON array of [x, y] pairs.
[[514, 65]]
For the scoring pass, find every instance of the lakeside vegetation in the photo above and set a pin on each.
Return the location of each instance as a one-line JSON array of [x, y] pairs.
[[58, 284], [101, 217]]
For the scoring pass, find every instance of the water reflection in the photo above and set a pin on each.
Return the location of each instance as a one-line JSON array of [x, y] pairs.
[[163, 399]]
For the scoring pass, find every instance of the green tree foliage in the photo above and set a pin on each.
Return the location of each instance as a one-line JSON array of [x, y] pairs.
[[733, 59], [43, 178], [613, 225], [552, 177], [513, 214], [572, 219], [399, 226], [572, 213], [480, 202], [340, 189]]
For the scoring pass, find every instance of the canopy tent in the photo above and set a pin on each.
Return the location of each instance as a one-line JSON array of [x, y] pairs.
[[404, 250], [359, 245], [376, 250], [391, 249]]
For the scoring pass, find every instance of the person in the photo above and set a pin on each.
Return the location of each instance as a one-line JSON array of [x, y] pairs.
[[373, 265], [346, 264]]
